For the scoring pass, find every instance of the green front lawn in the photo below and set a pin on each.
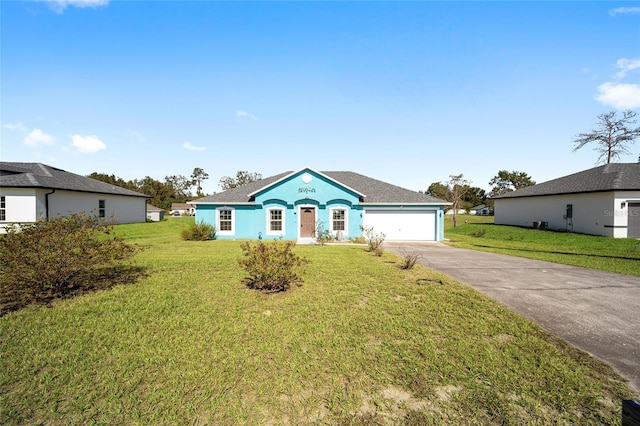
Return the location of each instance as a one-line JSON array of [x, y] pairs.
[[362, 342], [621, 255]]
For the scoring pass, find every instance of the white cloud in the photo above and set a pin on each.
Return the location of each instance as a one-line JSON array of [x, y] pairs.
[[624, 11], [16, 127], [87, 143], [244, 114], [60, 5], [190, 147], [619, 95], [37, 137], [625, 65]]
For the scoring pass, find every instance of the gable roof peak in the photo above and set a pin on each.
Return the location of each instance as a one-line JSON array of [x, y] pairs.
[[305, 169]]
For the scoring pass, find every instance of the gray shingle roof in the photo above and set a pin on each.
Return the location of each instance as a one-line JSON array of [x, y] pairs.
[[38, 175], [375, 191], [610, 177]]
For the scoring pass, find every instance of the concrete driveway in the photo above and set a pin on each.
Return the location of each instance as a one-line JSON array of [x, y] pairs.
[[598, 312]]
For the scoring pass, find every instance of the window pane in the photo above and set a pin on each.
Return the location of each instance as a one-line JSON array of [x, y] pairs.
[[338, 221], [275, 223], [225, 220], [276, 214]]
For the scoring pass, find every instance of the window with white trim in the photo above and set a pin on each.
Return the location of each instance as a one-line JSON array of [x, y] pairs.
[[102, 211], [225, 221], [3, 207], [275, 221], [338, 220]]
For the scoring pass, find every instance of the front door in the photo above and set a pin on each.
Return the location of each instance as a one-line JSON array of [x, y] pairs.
[[307, 222]]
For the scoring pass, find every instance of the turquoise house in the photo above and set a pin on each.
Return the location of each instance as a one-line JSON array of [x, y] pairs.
[[292, 205]]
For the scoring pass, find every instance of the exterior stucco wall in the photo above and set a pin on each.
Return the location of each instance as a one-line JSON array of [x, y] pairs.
[[20, 205], [250, 222], [122, 209], [597, 213], [30, 205]]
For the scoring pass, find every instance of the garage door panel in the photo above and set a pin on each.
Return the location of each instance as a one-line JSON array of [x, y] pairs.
[[416, 225]]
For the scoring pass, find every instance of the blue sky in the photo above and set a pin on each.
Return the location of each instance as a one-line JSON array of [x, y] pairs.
[[405, 92]]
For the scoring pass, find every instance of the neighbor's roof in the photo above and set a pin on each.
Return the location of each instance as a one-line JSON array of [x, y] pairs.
[[152, 208], [610, 177], [38, 175], [181, 206], [373, 190]]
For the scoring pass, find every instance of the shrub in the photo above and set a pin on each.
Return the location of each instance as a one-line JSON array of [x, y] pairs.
[[479, 233], [374, 239], [48, 259], [272, 266], [323, 235], [200, 231], [409, 260]]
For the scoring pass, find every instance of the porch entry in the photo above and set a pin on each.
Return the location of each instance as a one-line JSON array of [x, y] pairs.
[[307, 222]]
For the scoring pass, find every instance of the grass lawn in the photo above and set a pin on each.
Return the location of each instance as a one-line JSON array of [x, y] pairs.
[[620, 255], [362, 342]]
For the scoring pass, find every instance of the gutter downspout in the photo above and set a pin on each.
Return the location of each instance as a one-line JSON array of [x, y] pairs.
[[46, 203]]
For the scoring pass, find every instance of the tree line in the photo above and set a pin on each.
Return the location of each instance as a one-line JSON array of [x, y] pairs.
[[458, 190], [175, 188]]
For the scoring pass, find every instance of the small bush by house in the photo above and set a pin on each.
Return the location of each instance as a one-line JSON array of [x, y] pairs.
[[200, 231]]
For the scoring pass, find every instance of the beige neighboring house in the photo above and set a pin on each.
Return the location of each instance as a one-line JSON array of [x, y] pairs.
[[182, 209], [603, 201], [34, 191], [154, 214]]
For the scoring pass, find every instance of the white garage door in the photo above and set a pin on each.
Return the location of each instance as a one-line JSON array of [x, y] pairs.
[[403, 225]]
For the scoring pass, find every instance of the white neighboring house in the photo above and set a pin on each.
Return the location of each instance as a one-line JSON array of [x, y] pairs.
[[154, 214], [183, 209], [34, 191], [603, 201]]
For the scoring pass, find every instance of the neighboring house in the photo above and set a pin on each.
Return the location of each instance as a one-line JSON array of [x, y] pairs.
[[604, 201], [33, 191], [292, 205], [481, 210], [460, 211], [154, 214], [182, 209]]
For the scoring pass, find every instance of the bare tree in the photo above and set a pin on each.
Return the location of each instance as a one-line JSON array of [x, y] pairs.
[[457, 189], [611, 135]]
